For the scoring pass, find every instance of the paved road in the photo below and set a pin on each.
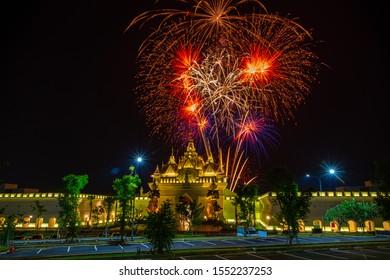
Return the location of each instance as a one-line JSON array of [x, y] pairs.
[[376, 253], [60, 248]]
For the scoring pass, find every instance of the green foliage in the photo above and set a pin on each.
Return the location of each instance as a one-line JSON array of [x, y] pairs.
[[336, 214], [108, 204], [293, 206], [7, 228], [125, 189], [352, 210], [69, 202], [160, 228], [245, 199], [359, 211]]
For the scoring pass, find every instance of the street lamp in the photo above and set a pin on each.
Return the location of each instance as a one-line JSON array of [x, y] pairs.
[[139, 160], [330, 171]]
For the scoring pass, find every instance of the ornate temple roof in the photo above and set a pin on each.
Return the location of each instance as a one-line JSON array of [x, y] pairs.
[[189, 167]]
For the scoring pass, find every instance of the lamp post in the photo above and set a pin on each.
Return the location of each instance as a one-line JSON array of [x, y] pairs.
[[139, 160], [330, 171]]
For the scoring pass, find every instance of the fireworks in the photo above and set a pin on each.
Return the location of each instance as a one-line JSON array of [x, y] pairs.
[[214, 73]]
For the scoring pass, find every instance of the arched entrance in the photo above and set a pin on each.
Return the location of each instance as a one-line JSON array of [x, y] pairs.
[[352, 226], [52, 222], [370, 225], [334, 226], [317, 224], [26, 222], [301, 225], [38, 222]]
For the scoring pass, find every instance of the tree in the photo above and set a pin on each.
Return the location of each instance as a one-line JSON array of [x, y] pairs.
[[382, 180], [189, 211], [69, 202], [108, 204], [8, 226], [336, 214], [38, 209], [138, 218], [125, 189], [293, 207], [359, 212], [235, 203], [246, 198], [90, 202], [160, 228]]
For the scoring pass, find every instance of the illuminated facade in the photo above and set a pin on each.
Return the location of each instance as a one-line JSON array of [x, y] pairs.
[[189, 178]]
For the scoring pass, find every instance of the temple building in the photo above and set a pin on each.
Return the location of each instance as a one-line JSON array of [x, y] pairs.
[[190, 178]]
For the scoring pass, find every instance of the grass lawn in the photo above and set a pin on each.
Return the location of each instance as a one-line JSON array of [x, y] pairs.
[[4, 248]]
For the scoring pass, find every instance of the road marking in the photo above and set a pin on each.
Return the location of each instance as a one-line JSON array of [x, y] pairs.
[[298, 257], [256, 256], [39, 251], [353, 253], [95, 247], [144, 245], [322, 254], [187, 243], [376, 251], [221, 257], [208, 242]]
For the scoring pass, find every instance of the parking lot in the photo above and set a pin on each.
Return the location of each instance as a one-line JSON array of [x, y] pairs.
[[378, 253], [270, 248]]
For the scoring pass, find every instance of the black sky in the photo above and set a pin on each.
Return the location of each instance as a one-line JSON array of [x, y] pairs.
[[67, 104]]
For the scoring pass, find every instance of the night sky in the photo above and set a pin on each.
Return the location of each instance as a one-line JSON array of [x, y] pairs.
[[67, 104]]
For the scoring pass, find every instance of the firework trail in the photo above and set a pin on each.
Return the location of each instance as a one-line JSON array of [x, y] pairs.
[[223, 76]]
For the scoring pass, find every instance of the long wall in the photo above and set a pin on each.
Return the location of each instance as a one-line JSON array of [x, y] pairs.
[[266, 208]]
